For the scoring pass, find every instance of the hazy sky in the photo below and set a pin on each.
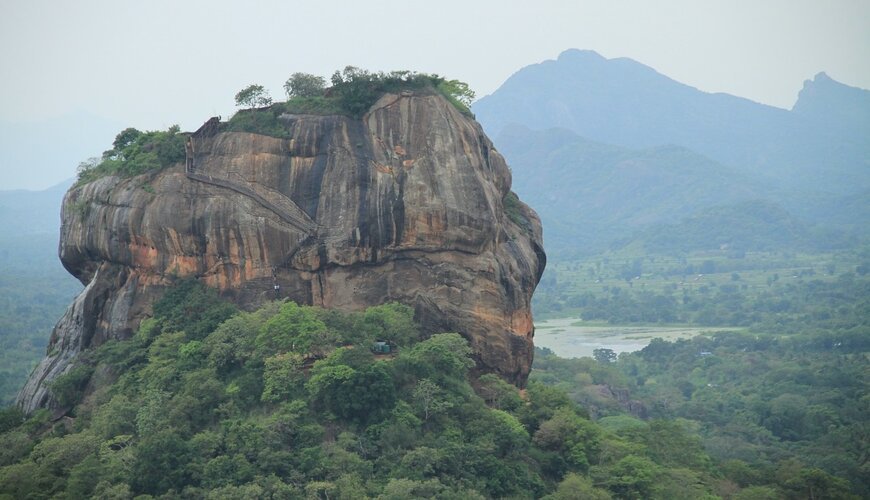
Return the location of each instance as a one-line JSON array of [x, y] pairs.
[[150, 64]]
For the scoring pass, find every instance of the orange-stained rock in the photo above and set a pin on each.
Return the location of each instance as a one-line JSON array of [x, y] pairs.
[[334, 214]]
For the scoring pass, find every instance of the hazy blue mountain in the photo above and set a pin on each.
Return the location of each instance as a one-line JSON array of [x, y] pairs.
[[820, 146], [849, 212], [25, 212], [589, 194], [756, 225], [29, 232], [831, 105]]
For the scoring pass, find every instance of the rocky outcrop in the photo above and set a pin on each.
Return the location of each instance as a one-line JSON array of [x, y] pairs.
[[405, 204]]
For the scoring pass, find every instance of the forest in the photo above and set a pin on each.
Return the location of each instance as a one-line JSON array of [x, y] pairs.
[[34, 291], [290, 401], [780, 405], [783, 416]]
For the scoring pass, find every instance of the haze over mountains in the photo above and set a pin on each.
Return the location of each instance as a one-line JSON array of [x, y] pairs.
[[607, 150], [29, 231], [602, 147], [29, 223]]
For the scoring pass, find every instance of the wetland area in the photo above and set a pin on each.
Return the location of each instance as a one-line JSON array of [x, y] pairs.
[[573, 338]]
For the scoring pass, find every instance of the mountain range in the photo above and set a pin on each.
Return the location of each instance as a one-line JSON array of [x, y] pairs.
[[602, 147]]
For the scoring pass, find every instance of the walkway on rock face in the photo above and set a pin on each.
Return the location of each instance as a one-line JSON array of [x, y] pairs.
[[269, 198], [298, 220]]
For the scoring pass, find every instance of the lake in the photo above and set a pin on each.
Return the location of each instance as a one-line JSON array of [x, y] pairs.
[[569, 338]]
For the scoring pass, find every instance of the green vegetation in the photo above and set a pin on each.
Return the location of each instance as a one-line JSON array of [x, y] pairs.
[[773, 290], [352, 93], [304, 85], [357, 89], [458, 93], [780, 407], [268, 122], [69, 387], [290, 402], [787, 414], [514, 211], [253, 96], [35, 289], [748, 226], [33, 299], [135, 153]]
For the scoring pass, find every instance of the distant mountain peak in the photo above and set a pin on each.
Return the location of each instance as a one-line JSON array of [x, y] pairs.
[[823, 81], [607, 100], [580, 54], [834, 104], [573, 58]]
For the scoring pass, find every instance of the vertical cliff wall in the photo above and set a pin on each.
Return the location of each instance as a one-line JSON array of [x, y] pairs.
[[405, 204]]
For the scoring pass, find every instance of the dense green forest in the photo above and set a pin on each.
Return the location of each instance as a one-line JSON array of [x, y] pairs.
[[786, 416], [290, 402], [34, 291], [781, 406]]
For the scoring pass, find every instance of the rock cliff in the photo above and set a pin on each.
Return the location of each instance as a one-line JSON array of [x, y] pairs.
[[405, 204]]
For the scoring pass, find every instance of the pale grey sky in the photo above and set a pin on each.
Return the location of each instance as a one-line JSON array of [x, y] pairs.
[[153, 63]]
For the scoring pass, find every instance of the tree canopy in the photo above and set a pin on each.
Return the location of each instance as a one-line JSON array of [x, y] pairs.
[[208, 402], [134, 153], [304, 85], [253, 96]]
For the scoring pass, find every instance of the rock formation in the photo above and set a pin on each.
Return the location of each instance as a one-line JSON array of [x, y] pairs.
[[405, 204]]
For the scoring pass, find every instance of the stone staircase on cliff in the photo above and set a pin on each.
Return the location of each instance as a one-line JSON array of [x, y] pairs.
[[271, 199]]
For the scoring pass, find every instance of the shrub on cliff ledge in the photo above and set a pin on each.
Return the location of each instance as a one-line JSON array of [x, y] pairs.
[[134, 152], [304, 85], [358, 89], [352, 93], [514, 211]]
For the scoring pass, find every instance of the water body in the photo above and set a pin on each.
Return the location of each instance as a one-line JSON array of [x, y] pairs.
[[569, 338]]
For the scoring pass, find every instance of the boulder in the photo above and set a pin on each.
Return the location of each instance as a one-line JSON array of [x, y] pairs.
[[404, 204]]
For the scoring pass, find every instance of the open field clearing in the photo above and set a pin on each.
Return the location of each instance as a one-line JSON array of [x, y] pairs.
[[570, 338]]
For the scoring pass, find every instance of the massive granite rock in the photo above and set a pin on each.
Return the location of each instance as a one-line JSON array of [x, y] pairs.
[[405, 204]]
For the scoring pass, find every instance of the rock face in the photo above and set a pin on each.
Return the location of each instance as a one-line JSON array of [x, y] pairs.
[[405, 204]]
